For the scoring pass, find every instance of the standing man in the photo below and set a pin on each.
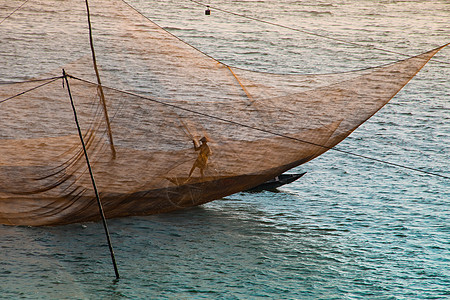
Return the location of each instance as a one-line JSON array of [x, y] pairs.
[[202, 158]]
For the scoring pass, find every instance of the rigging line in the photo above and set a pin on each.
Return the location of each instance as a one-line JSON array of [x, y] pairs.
[[29, 81], [32, 89], [168, 32], [267, 131], [305, 31], [206, 54], [14, 11], [266, 72]]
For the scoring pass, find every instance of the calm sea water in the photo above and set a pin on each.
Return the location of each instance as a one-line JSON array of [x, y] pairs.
[[349, 229]]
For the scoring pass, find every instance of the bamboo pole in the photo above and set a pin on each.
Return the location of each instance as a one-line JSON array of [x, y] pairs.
[[100, 88], [100, 208]]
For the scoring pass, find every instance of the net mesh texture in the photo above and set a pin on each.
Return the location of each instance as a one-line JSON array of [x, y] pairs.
[[253, 125]]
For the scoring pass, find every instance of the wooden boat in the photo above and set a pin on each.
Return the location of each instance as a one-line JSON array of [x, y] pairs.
[[274, 183]]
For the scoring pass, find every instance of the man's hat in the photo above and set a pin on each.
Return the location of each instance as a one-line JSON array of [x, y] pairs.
[[203, 139]]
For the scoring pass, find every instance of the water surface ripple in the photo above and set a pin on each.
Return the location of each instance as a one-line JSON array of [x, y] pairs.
[[349, 229]]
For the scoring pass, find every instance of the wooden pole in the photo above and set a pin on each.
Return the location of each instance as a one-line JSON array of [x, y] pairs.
[[100, 208], [100, 88]]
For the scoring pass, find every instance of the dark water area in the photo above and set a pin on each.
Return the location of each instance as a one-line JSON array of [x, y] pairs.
[[351, 228]]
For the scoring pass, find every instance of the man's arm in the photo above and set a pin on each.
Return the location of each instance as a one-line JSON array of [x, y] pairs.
[[196, 146]]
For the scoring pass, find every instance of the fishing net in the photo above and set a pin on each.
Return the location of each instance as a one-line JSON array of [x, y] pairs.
[[178, 127]]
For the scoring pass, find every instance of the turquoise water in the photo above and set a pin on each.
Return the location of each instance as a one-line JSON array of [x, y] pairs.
[[349, 229]]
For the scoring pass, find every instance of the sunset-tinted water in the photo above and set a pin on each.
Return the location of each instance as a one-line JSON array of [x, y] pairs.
[[351, 228]]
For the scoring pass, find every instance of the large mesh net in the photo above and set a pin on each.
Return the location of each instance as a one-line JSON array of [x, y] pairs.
[[198, 129]]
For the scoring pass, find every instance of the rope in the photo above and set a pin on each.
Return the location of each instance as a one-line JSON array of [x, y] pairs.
[[29, 81], [168, 32], [267, 131], [20, 6], [305, 31], [265, 72], [33, 88]]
